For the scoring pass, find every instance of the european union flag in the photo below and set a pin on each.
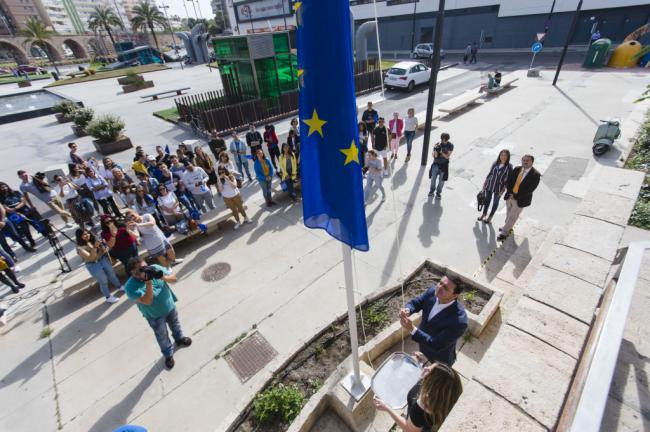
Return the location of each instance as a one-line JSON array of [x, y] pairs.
[[329, 155]]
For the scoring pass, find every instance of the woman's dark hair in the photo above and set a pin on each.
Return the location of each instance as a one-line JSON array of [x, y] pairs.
[[439, 391], [140, 199], [80, 241], [38, 180], [292, 132], [288, 147], [498, 161], [9, 190], [362, 126]]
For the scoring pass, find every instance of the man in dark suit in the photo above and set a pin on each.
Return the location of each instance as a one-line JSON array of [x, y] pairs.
[[520, 186], [444, 320]]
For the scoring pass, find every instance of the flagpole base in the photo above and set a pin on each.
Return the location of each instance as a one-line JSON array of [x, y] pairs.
[[355, 389]]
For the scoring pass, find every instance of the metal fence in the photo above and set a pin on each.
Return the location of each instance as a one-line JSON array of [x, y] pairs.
[[234, 108]]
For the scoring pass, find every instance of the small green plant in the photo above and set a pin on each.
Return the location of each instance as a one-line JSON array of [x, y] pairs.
[[278, 404], [65, 107], [314, 384], [319, 350], [470, 296], [133, 78], [467, 337], [46, 332], [377, 315], [83, 116], [106, 128]]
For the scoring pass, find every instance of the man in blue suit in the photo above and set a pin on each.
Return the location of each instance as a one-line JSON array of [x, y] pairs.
[[444, 320]]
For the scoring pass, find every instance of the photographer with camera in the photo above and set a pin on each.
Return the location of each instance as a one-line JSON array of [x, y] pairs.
[[120, 238], [94, 254], [439, 171], [41, 189], [148, 286]]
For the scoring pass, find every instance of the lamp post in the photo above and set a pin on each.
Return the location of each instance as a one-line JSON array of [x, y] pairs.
[[164, 7], [195, 14]]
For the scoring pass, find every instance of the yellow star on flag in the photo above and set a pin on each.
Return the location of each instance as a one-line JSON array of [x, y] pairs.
[[351, 154], [296, 6], [315, 124]]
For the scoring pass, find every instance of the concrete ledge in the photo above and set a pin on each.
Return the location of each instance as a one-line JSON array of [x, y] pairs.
[[594, 236], [582, 265]]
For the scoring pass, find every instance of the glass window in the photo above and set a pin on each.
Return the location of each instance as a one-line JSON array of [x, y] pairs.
[[397, 71]]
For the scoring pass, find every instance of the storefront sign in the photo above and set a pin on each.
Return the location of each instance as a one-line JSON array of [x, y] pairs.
[[261, 10]]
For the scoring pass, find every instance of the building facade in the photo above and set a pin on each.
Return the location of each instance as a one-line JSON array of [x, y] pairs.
[[220, 10], [494, 24]]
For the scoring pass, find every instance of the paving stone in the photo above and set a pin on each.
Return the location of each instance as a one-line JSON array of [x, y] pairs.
[[611, 208], [480, 409], [594, 236], [621, 418], [630, 383], [569, 294], [617, 181], [560, 330], [528, 373], [577, 263]]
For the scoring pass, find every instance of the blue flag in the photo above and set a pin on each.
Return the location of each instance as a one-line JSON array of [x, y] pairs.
[[332, 185]]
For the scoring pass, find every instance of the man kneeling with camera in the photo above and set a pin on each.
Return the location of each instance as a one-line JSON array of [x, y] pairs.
[[148, 287]]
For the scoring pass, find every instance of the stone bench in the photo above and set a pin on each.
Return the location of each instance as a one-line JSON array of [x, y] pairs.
[[504, 84], [154, 96], [456, 104]]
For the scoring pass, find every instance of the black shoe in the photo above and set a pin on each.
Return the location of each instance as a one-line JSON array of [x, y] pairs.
[[169, 362], [15, 290], [269, 203], [30, 249], [184, 342], [438, 196], [502, 238], [20, 285], [430, 194]]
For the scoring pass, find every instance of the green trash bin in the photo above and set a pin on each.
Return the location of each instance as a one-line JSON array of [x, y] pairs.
[[597, 54]]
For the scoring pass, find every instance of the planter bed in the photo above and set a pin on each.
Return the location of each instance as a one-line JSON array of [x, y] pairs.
[[129, 88], [123, 143], [78, 131], [309, 367]]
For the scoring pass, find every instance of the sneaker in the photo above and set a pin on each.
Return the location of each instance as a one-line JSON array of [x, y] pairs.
[[237, 225], [69, 225], [178, 261], [121, 288], [184, 342], [501, 237], [112, 299], [247, 220], [20, 285], [169, 362], [16, 268], [430, 194], [408, 158], [438, 196]]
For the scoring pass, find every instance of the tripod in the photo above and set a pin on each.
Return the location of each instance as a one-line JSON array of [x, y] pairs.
[[50, 233]]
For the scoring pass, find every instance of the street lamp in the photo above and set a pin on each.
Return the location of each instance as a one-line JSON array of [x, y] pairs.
[[195, 14], [164, 7]]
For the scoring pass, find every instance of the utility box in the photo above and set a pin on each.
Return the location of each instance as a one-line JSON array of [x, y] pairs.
[[260, 65], [597, 54]]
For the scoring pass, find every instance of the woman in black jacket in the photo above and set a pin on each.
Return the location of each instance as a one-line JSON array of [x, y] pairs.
[[495, 184]]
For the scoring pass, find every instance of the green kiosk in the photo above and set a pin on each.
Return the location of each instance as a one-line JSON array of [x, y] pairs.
[[257, 65]]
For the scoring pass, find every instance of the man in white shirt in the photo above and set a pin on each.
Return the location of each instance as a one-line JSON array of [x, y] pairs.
[[196, 181], [444, 320]]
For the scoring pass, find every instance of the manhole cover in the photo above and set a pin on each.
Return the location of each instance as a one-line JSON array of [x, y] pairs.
[[250, 356], [215, 272]]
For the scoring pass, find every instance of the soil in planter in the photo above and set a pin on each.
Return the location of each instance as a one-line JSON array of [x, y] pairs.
[[311, 366]]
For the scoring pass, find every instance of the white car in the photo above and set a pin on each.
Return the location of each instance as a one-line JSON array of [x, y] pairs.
[[425, 50], [406, 75]]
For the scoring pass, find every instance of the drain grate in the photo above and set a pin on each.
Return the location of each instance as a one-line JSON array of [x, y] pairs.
[[250, 356], [215, 272]]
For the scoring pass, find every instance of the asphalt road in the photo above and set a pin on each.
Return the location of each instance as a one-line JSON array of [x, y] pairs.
[[400, 101]]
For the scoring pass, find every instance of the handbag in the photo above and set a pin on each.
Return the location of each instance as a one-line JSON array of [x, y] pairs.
[[239, 183], [480, 200]]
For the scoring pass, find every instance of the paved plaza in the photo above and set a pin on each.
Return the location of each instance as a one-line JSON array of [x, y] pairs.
[[101, 368]]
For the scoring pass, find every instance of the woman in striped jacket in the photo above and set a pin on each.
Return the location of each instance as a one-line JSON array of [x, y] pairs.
[[495, 184]]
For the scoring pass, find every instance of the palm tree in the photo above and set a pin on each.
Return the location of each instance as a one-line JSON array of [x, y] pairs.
[[147, 15], [35, 32], [104, 17]]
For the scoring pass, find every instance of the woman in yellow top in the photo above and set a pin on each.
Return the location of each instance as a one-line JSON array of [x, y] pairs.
[[289, 170]]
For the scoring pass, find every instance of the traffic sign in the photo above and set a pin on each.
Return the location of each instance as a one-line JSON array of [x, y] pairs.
[[541, 36], [537, 47]]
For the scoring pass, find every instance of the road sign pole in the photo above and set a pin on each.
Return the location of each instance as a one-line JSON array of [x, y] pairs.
[[533, 60]]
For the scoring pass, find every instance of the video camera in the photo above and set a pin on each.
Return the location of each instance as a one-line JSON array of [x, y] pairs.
[[151, 273]]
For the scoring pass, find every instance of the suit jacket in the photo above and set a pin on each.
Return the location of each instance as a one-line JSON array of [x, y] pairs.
[[437, 337], [528, 185]]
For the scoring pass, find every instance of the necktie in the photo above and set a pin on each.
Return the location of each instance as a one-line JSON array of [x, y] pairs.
[[515, 189]]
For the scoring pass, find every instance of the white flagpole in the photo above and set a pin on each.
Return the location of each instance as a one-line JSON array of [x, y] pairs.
[[378, 48], [355, 383]]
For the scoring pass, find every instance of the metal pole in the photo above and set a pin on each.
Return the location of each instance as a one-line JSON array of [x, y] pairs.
[[574, 24], [415, 9], [200, 13], [164, 8], [284, 16], [379, 49], [532, 61], [440, 18], [352, 316]]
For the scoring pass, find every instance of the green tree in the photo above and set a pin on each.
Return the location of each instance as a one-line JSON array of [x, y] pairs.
[[103, 17], [147, 15], [35, 32]]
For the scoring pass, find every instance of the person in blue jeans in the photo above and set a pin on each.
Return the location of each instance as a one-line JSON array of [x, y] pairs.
[[94, 253], [148, 287], [264, 174], [238, 151], [439, 171], [495, 184]]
